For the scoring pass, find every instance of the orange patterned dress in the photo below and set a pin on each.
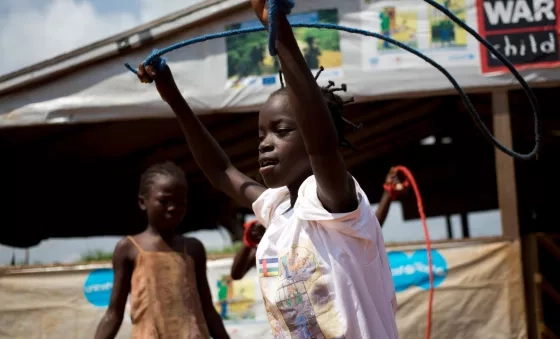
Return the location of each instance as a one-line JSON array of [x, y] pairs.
[[164, 297]]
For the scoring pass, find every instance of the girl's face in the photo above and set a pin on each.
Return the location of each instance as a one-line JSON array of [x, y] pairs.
[[165, 203], [283, 159]]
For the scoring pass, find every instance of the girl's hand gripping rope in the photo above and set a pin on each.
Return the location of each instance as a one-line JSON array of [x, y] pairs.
[[267, 12], [253, 234], [163, 78], [260, 7], [264, 8], [396, 184]]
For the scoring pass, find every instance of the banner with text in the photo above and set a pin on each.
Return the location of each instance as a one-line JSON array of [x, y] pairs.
[[479, 290], [524, 31], [236, 74]]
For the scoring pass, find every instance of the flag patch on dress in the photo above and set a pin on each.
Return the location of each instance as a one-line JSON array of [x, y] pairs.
[[268, 267]]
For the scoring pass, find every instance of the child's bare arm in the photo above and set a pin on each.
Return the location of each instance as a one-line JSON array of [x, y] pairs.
[[122, 267], [396, 182], [243, 261], [213, 319], [335, 187], [383, 208], [245, 257], [209, 156]]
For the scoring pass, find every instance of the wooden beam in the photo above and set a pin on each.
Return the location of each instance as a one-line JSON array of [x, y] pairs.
[[532, 285], [394, 121], [382, 145], [227, 134], [448, 226], [465, 225], [505, 165]]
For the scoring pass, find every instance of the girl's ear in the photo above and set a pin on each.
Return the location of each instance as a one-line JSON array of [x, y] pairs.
[[142, 202]]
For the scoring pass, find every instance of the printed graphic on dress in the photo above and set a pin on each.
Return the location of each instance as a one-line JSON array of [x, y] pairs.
[[292, 299], [293, 302], [299, 299]]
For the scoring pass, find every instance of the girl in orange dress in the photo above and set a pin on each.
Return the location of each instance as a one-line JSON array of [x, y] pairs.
[[164, 272]]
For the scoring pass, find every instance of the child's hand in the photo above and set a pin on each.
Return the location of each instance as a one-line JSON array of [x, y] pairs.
[[260, 7], [165, 83], [256, 232], [398, 184]]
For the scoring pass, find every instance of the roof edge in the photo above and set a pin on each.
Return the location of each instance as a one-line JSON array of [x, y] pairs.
[[115, 40]]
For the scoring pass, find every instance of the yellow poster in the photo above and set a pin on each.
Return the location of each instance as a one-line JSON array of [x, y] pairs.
[[398, 24], [445, 33], [236, 299]]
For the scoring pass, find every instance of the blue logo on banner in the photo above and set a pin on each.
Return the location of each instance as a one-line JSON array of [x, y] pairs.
[[98, 287], [468, 56], [413, 270], [269, 80]]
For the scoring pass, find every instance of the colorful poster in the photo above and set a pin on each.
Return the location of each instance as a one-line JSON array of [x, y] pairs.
[[236, 299], [398, 24], [421, 27], [250, 64], [444, 33], [524, 31]]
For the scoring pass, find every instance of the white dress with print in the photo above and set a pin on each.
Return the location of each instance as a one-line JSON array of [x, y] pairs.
[[323, 275]]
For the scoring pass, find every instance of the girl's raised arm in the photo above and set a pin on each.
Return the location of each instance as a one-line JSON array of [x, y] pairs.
[[209, 156], [335, 187]]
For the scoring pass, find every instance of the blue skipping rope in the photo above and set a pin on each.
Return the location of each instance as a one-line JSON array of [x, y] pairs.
[[284, 7]]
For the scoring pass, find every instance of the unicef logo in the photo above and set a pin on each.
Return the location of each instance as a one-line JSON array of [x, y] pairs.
[[413, 270], [98, 287]]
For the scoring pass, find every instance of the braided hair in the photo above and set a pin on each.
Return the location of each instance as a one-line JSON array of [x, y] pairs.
[[168, 169], [335, 104]]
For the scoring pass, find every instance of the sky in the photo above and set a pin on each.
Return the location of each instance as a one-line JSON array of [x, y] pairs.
[[482, 224], [35, 30]]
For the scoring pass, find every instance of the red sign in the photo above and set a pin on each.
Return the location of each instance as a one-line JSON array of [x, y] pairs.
[[524, 31]]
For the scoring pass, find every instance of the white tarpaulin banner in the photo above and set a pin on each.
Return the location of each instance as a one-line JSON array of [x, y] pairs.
[[479, 294], [236, 74]]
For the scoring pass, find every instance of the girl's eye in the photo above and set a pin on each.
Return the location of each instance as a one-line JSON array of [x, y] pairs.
[[283, 131]]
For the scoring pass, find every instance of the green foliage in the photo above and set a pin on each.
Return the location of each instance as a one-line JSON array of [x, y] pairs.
[[328, 16], [236, 246], [328, 40], [245, 54], [100, 255], [96, 255]]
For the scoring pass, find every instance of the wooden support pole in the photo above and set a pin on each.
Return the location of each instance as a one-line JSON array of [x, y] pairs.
[[26, 261], [448, 226], [505, 166], [465, 228], [532, 285]]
